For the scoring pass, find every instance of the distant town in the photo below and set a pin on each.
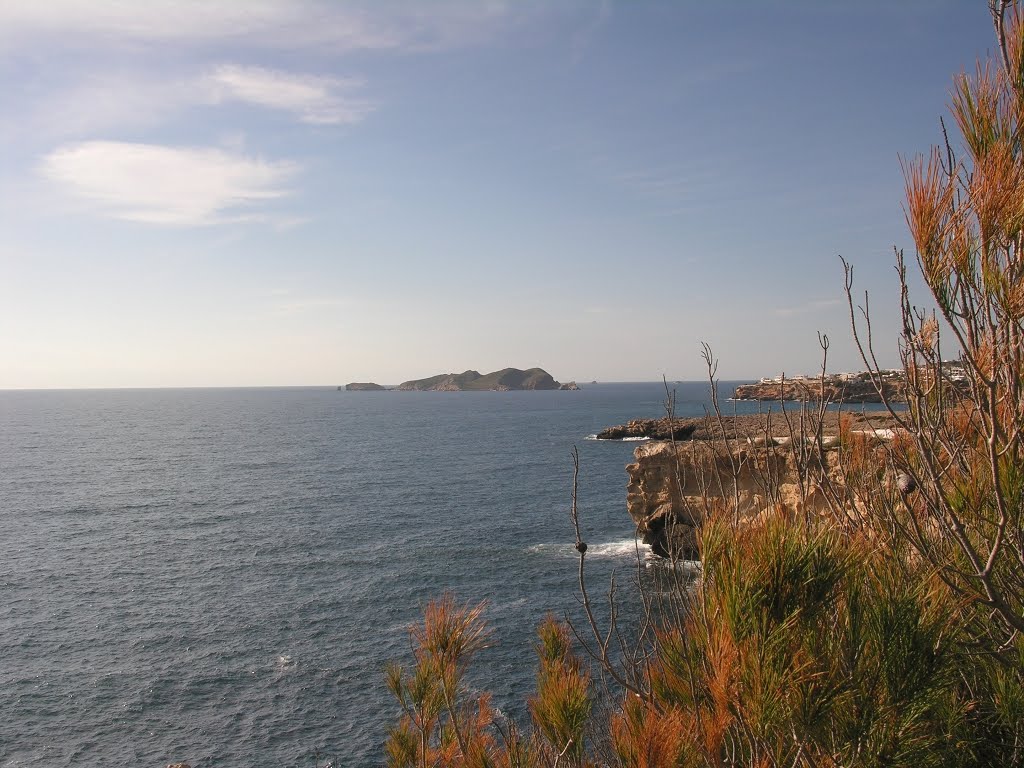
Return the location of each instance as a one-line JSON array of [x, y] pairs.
[[858, 387], [953, 370]]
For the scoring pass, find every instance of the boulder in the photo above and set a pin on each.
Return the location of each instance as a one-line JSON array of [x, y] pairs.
[[654, 429]]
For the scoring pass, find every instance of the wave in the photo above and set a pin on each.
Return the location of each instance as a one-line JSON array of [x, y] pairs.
[[605, 550], [618, 439]]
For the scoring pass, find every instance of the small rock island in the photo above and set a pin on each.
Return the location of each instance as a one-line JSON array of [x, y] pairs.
[[363, 386]]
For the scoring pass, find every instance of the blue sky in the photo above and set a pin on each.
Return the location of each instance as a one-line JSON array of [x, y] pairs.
[[290, 192]]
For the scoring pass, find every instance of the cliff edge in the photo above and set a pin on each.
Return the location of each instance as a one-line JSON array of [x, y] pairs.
[[860, 387], [675, 484], [673, 487], [834, 390]]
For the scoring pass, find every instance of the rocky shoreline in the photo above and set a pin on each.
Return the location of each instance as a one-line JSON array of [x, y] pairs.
[[672, 487], [831, 390], [777, 425], [864, 387]]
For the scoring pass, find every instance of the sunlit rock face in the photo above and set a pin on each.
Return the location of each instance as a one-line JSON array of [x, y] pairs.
[[674, 487], [835, 389]]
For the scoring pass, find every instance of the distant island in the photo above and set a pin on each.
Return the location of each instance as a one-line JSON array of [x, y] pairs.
[[505, 380]]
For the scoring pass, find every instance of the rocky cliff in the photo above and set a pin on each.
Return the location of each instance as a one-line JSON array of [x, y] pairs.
[[653, 429], [505, 380], [674, 487], [835, 389]]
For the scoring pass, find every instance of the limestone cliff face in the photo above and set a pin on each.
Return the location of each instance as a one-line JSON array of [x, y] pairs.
[[836, 390], [672, 489]]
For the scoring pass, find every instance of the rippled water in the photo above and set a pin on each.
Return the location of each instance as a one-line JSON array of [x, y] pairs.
[[219, 576]]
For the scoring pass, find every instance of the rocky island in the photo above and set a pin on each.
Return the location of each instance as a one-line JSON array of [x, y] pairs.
[[505, 380]]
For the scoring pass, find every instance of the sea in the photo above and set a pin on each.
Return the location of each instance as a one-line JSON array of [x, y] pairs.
[[219, 576]]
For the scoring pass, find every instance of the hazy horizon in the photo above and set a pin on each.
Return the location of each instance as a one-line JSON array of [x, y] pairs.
[[209, 194], [332, 386]]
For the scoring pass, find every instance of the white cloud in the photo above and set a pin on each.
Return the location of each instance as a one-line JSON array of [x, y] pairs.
[[313, 99], [183, 186], [266, 23], [104, 101], [192, 21]]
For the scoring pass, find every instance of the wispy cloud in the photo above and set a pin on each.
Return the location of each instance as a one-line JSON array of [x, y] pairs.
[[184, 186], [115, 101], [279, 24], [807, 308], [195, 21], [313, 99]]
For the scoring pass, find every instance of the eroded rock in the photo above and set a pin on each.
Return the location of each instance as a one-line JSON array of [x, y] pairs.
[[673, 488]]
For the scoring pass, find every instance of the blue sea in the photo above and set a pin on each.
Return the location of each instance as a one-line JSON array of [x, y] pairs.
[[219, 576]]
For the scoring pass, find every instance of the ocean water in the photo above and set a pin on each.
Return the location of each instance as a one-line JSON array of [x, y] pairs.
[[218, 576]]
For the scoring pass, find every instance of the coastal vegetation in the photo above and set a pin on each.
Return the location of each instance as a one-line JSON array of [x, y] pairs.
[[869, 609]]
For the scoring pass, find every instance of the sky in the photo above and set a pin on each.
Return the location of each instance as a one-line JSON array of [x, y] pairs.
[[304, 192]]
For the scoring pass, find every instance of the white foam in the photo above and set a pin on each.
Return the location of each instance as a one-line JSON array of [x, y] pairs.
[[604, 551], [283, 665], [624, 548]]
